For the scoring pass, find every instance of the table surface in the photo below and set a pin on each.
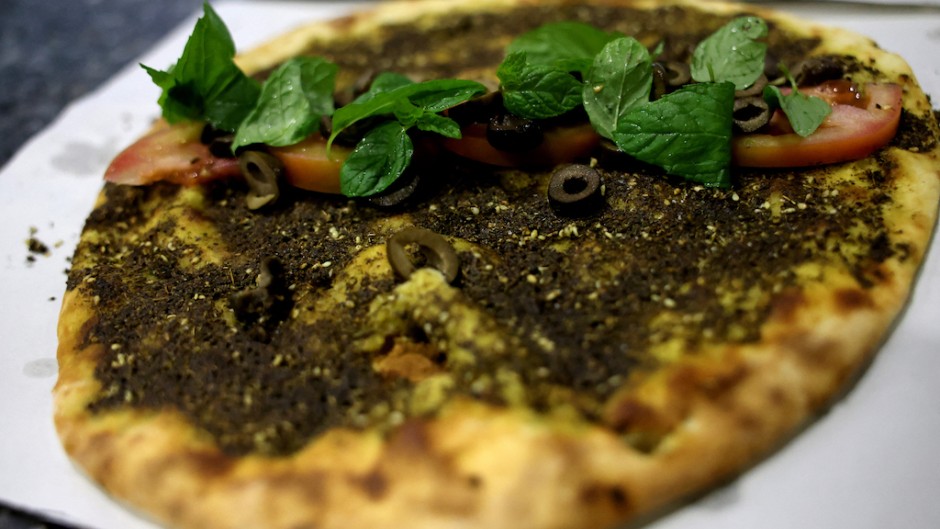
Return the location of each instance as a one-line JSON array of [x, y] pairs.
[[54, 52]]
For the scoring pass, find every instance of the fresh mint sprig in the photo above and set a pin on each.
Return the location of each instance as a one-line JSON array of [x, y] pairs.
[[687, 133], [537, 91], [205, 83], [377, 161], [805, 112], [567, 46], [398, 104], [411, 100], [293, 100], [733, 53], [619, 80], [538, 75], [547, 72]]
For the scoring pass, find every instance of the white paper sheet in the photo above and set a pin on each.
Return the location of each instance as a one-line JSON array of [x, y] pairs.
[[871, 463]]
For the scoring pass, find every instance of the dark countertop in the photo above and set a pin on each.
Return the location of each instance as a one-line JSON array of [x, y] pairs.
[[54, 52]]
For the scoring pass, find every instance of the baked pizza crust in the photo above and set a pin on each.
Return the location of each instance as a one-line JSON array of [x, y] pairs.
[[714, 412]]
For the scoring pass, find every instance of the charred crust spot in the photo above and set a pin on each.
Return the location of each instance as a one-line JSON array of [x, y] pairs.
[[86, 330], [613, 495], [474, 481], [714, 384], [815, 352], [643, 427], [374, 483], [787, 305], [312, 485], [629, 413], [777, 397], [411, 439], [853, 299], [100, 449], [207, 463]]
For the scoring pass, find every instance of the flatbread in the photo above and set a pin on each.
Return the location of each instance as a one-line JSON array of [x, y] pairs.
[[579, 373]]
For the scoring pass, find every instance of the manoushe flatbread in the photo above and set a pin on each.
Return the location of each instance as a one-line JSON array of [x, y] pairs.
[[223, 367]]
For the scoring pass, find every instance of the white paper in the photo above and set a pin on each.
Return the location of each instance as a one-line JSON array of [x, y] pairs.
[[871, 463]]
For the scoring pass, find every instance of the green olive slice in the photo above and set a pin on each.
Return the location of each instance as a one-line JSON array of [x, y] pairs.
[[436, 250]]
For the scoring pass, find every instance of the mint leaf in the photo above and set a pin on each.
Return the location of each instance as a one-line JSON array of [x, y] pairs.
[[293, 100], [205, 83], [619, 80], [377, 161], [568, 46], [687, 133], [732, 53], [383, 82], [441, 94], [177, 101], [411, 116], [439, 124], [537, 91], [805, 113], [431, 96], [385, 151]]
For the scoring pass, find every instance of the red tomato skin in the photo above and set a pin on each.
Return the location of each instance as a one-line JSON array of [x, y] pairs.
[[308, 165], [852, 132], [561, 145], [170, 153]]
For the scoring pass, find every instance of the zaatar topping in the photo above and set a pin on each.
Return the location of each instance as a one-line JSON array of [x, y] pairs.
[[581, 335]]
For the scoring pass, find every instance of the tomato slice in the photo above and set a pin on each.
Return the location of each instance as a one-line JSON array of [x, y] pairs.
[[309, 166], [560, 145], [171, 153], [860, 124]]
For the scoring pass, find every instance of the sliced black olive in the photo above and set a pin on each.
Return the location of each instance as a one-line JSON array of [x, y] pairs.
[[575, 190], [771, 67], [659, 80], [508, 132], [262, 307], [756, 89], [678, 73], [750, 113], [218, 141], [399, 192], [221, 147], [437, 252], [262, 172], [815, 70], [668, 75]]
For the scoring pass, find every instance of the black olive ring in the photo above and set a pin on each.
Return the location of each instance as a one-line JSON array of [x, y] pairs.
[[435, 248], [575, 190]]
